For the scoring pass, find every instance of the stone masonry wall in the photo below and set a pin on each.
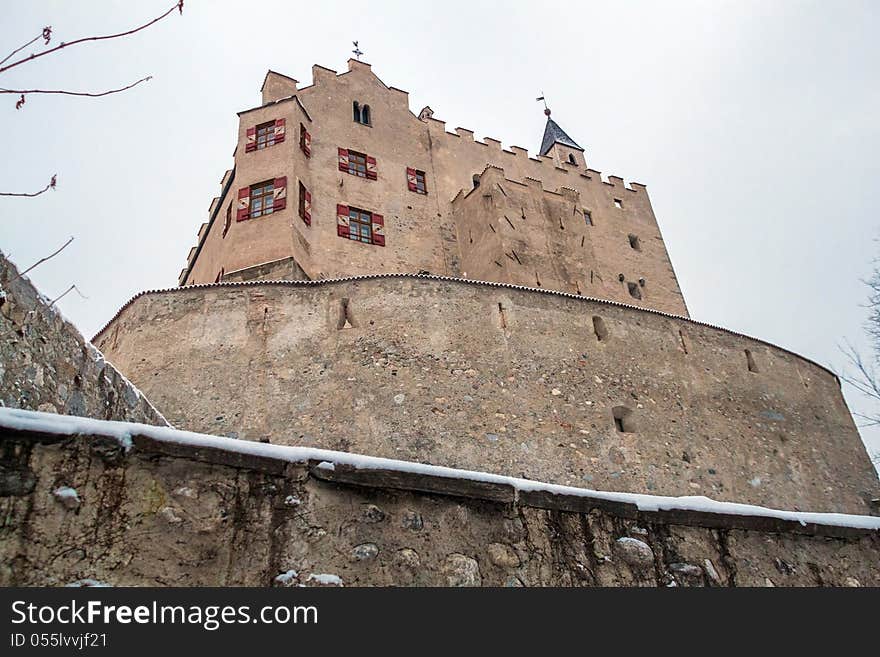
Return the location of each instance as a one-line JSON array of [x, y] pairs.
[[175, 516], [497, 379], [46, 365]]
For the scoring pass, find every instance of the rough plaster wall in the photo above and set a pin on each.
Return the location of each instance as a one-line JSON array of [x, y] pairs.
[[46, 365], [421, 232], [499, 380], [145, 519]]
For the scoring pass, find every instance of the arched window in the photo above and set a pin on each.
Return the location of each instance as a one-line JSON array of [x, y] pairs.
[[365, 115], [356, 111], [571, 159]]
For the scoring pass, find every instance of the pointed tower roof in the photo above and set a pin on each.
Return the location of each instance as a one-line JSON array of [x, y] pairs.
[[553, 134]]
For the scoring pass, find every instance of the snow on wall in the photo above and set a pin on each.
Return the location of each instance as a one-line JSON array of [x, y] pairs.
[[64, 425]]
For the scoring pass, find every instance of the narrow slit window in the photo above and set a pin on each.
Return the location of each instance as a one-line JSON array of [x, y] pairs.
[[634, 243], [588, 217], [572, 159], [623, 419], [750, 362]]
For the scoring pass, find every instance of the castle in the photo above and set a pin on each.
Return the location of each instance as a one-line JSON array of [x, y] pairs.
[[371, 284], [346, 158]]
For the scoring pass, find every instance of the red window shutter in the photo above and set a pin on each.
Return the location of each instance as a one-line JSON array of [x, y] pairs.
[[279, 130], [279, 194], [251, 144], [411, 180], [244, 204], [305, 141], [371, 168], [343, 159], [307, 211], [378, 230], [342, 220]]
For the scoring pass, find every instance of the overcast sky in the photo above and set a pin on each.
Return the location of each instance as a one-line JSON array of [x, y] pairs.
[[755, 125]]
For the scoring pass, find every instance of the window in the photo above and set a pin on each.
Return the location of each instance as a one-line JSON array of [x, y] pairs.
[[360, 225], [360, 114], [588, 218], [357, 164], [572, 159], [305, 141], [228, 220], [261, 199], [618, 204], [416, 181], [634, 243], [265, 135], [476, 180], [305, 205]]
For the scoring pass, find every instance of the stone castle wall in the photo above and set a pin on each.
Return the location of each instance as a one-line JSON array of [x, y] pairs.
[[46, 365], [485, 377], [165, 514]]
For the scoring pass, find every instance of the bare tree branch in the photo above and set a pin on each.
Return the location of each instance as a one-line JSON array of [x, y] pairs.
[[20, 102], [45, 34], [65, 293], [31, 57], [51, 185], [41, 261]]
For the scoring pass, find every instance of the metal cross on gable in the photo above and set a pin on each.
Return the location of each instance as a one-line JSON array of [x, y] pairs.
[[357, 51]]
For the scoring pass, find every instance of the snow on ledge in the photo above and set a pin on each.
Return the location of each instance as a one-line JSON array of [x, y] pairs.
[[122, 432]]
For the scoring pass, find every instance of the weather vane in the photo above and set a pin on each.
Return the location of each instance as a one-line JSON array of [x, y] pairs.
[[357, 51], [541, 98]]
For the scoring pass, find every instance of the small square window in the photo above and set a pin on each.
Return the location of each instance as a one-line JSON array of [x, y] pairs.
[[618, 204], [265, 135], [357, 164]]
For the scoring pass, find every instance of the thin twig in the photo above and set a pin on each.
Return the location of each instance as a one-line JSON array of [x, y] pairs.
[[64, 294], [51, 185], [31, 57], [47, 31], [41, 261], [74, 93]]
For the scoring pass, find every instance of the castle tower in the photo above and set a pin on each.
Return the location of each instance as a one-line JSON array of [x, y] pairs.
[[558, 145]]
